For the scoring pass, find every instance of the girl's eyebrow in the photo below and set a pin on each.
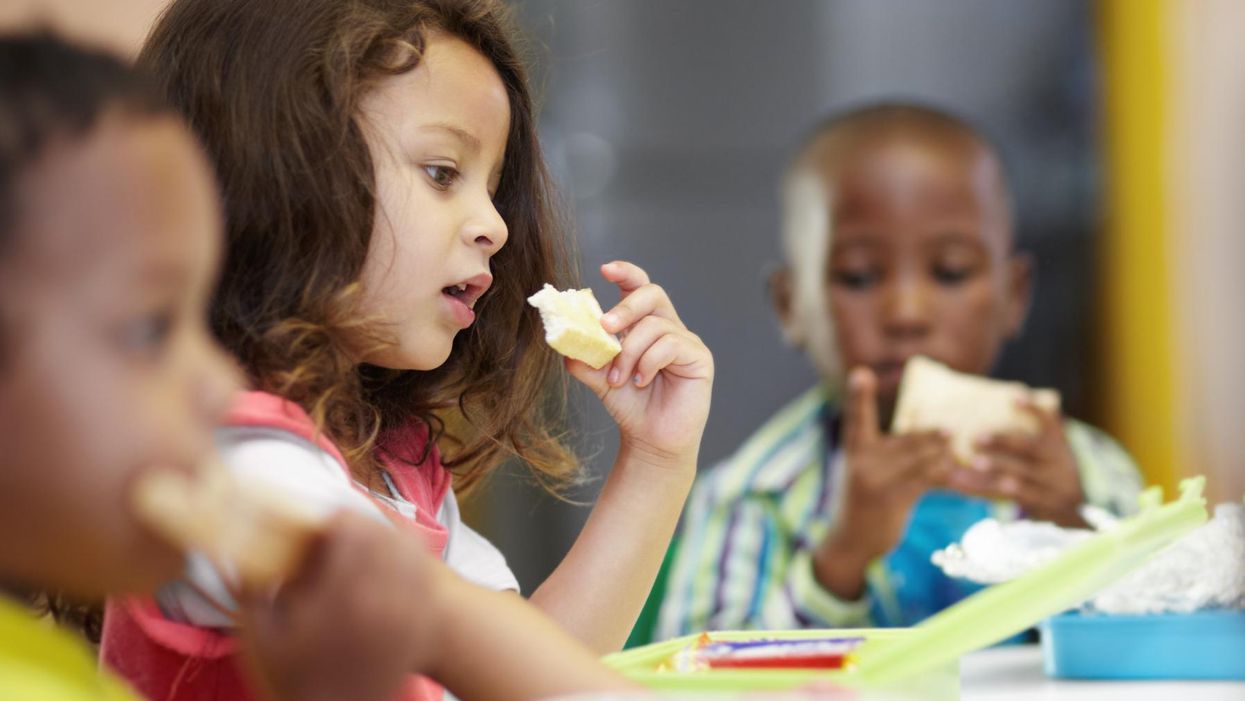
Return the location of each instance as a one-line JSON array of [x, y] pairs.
[[469, 141]]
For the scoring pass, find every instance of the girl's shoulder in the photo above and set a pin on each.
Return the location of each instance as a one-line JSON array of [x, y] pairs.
[[265, 410], [409, 456]]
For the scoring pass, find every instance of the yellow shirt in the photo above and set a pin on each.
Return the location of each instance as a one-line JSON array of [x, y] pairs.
[[39, 661]]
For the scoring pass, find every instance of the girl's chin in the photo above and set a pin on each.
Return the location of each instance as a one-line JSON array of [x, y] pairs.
[[422, 358]]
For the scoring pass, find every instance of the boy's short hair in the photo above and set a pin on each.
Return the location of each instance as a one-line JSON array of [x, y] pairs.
[[898, 115], [51, 89]]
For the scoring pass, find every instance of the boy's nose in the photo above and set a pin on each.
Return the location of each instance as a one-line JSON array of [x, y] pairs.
[[906, 309], [218, 380]]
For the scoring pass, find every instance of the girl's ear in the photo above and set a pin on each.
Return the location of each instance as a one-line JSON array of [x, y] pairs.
[[1020, 275], [782, 297]]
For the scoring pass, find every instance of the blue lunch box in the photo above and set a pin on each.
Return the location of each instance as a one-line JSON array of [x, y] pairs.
[[1202, 645]]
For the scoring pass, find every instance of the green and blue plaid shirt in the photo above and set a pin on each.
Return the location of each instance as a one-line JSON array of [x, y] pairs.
[[753, 522]]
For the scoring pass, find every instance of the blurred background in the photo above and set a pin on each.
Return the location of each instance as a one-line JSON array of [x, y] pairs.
[[668, 125]]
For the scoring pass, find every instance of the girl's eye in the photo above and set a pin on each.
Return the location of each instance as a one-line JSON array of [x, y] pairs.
[[855, 279], [442, 177], [147, 335]]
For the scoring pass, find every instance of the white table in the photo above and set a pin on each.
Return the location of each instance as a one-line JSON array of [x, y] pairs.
[[1014, 673]]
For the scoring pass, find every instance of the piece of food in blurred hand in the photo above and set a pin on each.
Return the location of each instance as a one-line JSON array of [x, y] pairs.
[[240, 522], [968, 407]]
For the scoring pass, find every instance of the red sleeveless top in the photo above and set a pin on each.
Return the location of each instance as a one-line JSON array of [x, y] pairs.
[[170, 661]]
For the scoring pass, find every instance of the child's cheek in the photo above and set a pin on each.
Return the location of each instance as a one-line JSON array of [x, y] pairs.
[[971, 322], [855, 321]]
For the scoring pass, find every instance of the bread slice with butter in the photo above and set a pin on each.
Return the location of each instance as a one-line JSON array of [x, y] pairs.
[[968, 407], [572, 320], [241, 523]]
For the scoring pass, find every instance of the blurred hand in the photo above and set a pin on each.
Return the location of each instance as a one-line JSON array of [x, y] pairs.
[[353, 623], [658, 388], [1038, 472], [884, 477]]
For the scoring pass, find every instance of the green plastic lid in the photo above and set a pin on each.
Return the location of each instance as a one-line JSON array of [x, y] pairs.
[[925, 658], [1004, 610]]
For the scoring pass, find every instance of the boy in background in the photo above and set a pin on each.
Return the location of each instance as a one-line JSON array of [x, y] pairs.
[[898, 238]]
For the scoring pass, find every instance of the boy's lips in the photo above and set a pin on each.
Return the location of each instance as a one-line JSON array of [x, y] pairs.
[[889, 372]]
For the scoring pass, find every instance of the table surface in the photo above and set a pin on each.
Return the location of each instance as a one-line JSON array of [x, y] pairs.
[[1014, 673]]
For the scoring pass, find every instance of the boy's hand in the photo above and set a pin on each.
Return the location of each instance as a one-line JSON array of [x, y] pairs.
[[885, 476], [1038, 472], [658, 388], [355, 621]]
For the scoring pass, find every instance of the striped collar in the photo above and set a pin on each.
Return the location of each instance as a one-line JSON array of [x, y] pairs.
[[800, 437]]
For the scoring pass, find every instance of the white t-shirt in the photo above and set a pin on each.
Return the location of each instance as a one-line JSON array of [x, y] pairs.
[[301, 468]]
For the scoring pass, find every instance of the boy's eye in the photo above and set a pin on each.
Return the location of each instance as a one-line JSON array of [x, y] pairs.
[[147, 335], [442, 177], [855, 279], [952, 274]]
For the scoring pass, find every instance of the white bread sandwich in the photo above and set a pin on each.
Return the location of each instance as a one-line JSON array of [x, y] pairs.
[[573, 325], [935, 397], [240, 522]]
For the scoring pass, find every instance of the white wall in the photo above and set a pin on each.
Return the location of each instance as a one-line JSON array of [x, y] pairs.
[[1207, 155]]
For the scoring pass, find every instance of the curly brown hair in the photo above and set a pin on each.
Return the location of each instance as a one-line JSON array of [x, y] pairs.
[[273, 90]]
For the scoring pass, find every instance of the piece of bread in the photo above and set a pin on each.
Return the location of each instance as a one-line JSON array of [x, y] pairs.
[[573, 325], [935, 397], [241, 523]]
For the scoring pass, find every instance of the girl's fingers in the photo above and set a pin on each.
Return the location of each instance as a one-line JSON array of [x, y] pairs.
[[679, 354], [637, 342], [628, 276], [643, 302], [590, 377]]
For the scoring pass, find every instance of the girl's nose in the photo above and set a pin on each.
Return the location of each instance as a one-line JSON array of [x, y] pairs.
[[486, 229]]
